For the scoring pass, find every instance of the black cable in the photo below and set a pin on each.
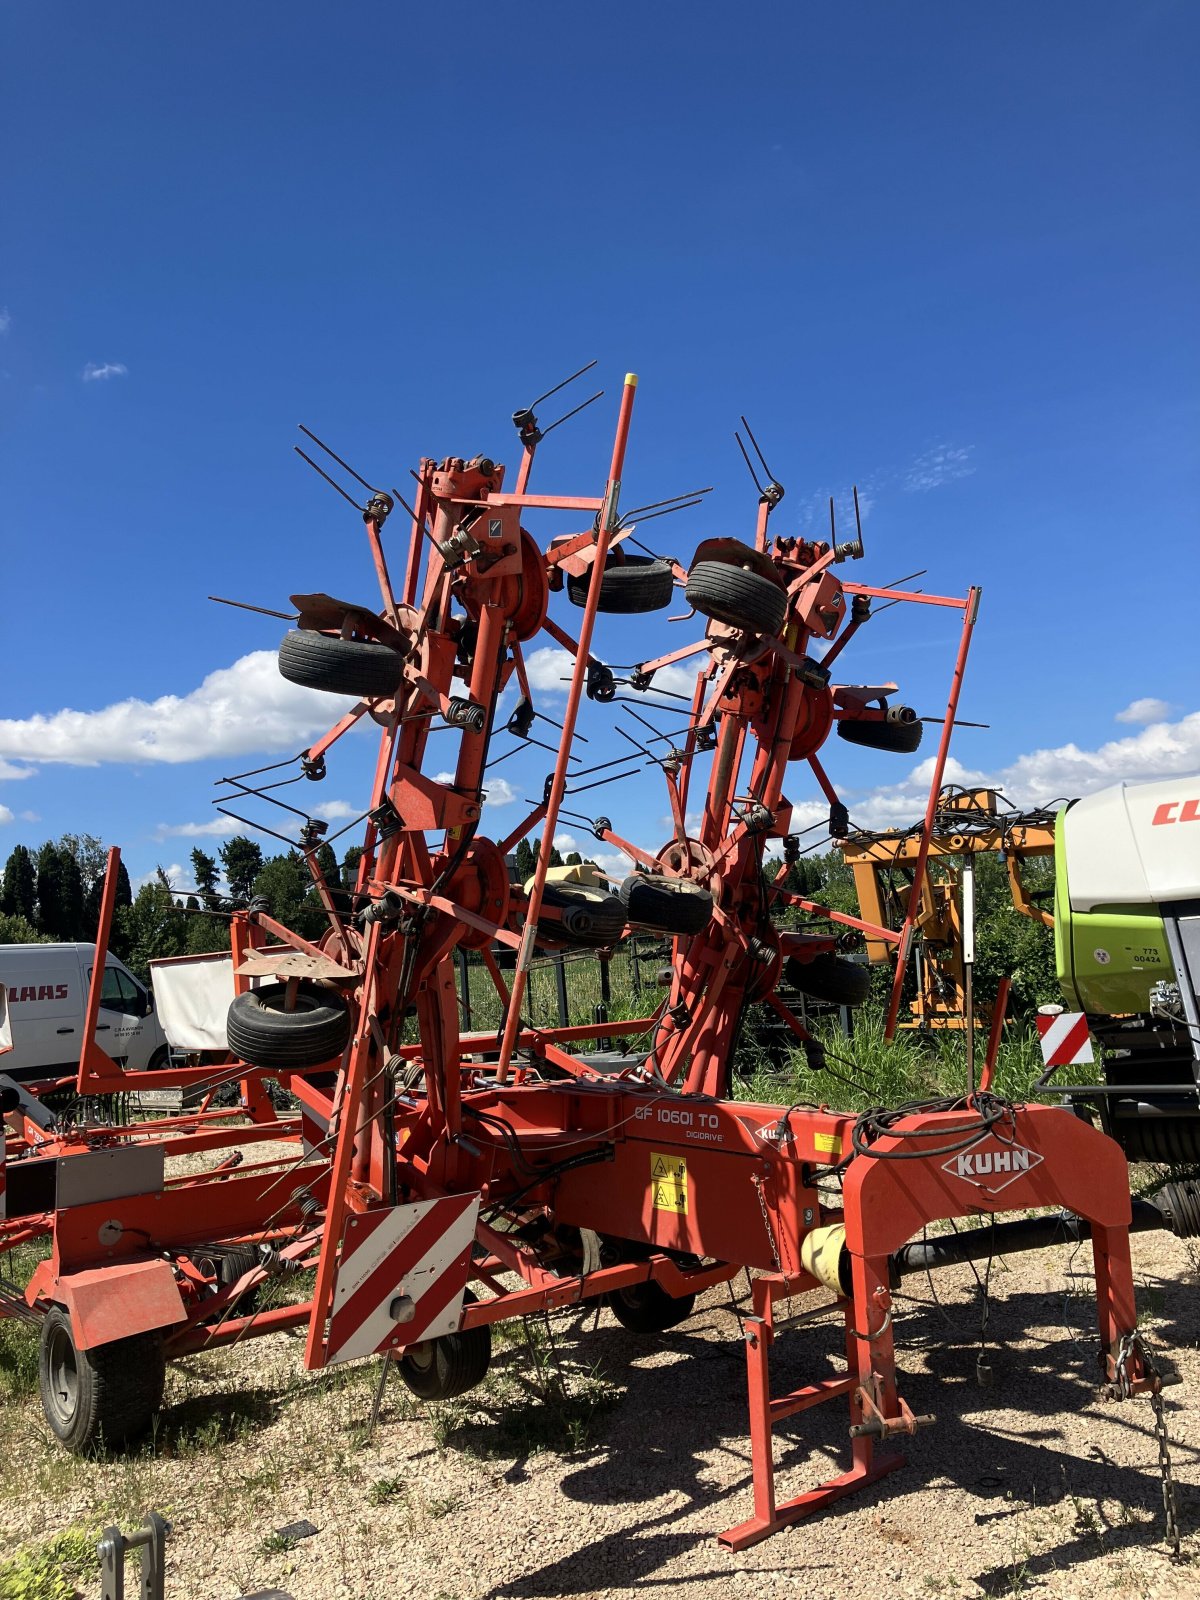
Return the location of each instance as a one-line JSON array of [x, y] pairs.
[[881, 1122]]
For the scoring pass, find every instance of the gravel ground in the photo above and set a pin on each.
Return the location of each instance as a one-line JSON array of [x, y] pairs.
[[1030, 1486]]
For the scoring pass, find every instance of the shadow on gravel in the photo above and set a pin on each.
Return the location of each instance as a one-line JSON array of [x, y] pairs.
[[1003, 1444], [217, 1417]]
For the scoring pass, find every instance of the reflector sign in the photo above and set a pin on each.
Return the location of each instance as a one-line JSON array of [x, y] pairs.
[[1065, 1039], [402, 1276]]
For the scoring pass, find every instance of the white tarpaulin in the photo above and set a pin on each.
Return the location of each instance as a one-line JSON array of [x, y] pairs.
[[192, 997], [5, 1030]]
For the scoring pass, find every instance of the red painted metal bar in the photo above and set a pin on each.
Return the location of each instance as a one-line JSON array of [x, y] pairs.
[[906, 594], [997, 1028], [608, 526], [970, 609], [96, 1064]]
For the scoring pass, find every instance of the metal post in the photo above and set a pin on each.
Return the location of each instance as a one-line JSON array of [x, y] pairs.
[[636, 964], [151, 1537], [560, 984], [464, 979], [968, 936]]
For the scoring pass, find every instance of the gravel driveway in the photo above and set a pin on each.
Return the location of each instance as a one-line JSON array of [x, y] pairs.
[[1031, 1485]]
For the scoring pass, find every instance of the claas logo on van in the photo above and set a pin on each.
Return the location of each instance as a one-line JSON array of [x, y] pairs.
[[1176, 811], [39, 991]]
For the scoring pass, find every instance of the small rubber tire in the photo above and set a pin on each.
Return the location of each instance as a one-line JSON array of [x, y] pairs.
[[648, 1308], [829, 977], [903, 737], [439, 1369], [669, 905], [160, 1060], [263, 1034], [358, 667], [107, 1395], [593, 917], [638, 583], [737, 596]]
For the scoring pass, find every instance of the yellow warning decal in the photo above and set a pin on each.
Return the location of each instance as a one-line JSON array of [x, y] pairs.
[[669, 1182], [828, 1144]]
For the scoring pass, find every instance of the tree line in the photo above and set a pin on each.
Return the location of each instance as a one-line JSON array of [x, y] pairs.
[[52, 895]]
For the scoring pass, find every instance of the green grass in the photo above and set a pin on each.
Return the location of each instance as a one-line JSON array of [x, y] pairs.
[[50, 1570], [868, 1070]]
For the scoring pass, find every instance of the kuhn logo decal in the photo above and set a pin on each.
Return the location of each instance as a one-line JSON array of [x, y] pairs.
[[993, 1166]]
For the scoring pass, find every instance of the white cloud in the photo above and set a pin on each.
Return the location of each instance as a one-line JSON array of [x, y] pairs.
[[109, 369], [11, 774], [1147, 710], [549, 669], [247, 707], [215, 828], [497, 792], [179, 877], [336, 810], [30, 816], [1037, 778], [5, 320], [943, 464], [5, 815], [565, 842]]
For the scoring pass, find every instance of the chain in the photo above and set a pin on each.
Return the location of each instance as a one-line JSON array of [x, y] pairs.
[[1132, 1345], [766, 1216]]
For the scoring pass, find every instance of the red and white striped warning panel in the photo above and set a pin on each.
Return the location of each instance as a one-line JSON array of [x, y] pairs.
[[401, 1276], [1065, 1039]]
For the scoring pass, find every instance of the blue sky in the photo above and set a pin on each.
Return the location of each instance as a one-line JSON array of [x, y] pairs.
[[946, 252]]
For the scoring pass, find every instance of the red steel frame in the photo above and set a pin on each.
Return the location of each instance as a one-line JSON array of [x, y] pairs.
[[574, 1156]]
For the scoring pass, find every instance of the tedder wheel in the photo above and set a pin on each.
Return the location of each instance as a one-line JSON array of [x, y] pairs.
[[106, 1395], [589, 916], [903, 737], [638, 583], [671, 905], [359, 667], [648, 1308], [439, 1369], [263, 1034], [736, 595], [829, 977]]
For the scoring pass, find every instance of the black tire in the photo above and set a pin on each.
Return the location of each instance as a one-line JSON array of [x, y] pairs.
[[340, 666], [648, 1308], [638, 583], [590, 917], [736, 595], [263, 1034], [160, 1059], [829, 977], [670, 905], [903, 737], [439, 1369], [104, 1396]]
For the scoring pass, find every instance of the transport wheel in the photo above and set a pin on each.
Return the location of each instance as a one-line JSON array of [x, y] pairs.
[[671, 905], [160, 1059], [903, 737], [439, 1369], [263, 1034], [829, 977], [359, 667], [106, 1395], [638, 583], [589, 916], [736, 595], [648, 1308]]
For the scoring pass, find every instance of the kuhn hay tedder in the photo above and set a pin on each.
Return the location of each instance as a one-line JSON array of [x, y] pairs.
[[441, 1181]]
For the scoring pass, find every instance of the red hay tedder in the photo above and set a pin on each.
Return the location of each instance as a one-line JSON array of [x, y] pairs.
[[442, 1181]]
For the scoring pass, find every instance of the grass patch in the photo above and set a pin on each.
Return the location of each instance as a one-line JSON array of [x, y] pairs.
[[18, 1359], [50, 1571]]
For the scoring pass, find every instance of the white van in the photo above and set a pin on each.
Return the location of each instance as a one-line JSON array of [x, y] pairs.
[[47, 988]]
